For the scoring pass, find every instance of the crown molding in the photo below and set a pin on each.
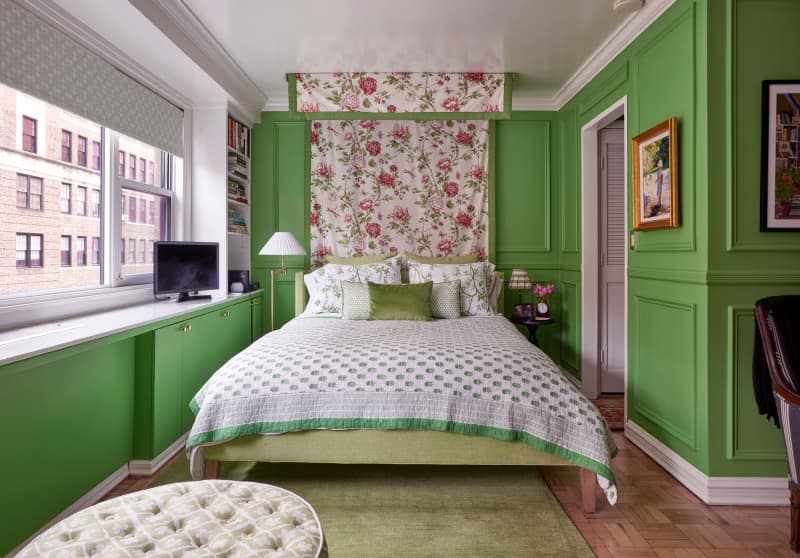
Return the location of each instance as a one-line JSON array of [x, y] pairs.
[[276, 104], [523, 102], [623, 36], [178, 22], [75, 29]]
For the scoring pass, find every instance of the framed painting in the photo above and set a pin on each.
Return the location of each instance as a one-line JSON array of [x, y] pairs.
[[780, 169], [655, 177]]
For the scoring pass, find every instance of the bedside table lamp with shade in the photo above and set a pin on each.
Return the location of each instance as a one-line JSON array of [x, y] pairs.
[[280, 244], [520, 281]]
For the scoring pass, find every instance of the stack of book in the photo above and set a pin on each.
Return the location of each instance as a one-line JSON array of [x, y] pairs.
[[238, 136]]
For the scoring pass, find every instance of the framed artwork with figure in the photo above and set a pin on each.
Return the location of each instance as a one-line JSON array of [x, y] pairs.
[[780, 165], [655, 177]]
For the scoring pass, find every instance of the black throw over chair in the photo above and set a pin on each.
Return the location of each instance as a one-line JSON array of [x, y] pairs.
[[776, 383]]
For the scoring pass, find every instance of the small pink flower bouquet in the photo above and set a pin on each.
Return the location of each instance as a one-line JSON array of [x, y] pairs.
[[543, 292]]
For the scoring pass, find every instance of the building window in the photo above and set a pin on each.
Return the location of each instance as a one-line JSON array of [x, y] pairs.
[[82, 146], [29, 250], [95, 203], [66, 251], [95, 250], [122, 252], [142, 251], [66, 198], [150, 212], [121, 169], [142, 210], [142, 169], [132, 159], [29, 134], [80, 201], [66, 146], [132, 250], [132, 209], [80, 250], [151, 172], [96, 155], [29, 192]]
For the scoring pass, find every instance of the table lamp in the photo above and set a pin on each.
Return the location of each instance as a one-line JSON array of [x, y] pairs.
[[280, 244], [519, 281]]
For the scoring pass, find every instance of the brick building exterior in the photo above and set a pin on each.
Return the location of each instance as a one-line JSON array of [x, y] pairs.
[[51, 198]]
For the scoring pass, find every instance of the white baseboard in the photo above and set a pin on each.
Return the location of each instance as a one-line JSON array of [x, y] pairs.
[[738, 491], [88, 499], [145, 468]]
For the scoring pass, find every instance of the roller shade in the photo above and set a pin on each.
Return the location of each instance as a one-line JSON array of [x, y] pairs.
[[43, 62]]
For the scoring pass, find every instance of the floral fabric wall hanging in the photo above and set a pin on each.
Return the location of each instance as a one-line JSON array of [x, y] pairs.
[[401, 92], [399, 186]]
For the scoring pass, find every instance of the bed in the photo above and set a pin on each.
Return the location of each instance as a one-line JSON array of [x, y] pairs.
[[469, 391]]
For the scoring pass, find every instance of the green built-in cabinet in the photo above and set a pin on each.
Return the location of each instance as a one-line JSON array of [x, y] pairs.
[[74, 416]]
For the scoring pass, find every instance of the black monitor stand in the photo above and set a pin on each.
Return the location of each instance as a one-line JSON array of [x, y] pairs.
[[183, 297]]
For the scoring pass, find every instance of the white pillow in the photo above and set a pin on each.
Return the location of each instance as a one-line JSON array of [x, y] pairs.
[[475, 283], [325, 284]]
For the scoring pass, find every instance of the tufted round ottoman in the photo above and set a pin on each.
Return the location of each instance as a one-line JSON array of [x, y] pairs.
[[220, 518]]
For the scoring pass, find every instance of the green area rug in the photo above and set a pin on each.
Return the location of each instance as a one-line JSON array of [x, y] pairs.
[[389, 511]]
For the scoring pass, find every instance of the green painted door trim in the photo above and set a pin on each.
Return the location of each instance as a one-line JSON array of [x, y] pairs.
[[355, 115]]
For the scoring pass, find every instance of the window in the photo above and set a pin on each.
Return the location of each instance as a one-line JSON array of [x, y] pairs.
[[66, 146], [142, 169], [150, 212], [96, 155], [66, 198], [151, 172], [132, 210], [80, 201], [82, 145], [95, 250], [121, 169], [66, 251], [142, 251], [131, 251], [122, 252], [142, 210], [81, 250], [29, 192], [28, 134], [95, 203], [132, 159], [29, 250]]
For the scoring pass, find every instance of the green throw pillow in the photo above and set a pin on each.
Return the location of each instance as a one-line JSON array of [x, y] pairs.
[[400, 302], [469, 258], [357, 260]]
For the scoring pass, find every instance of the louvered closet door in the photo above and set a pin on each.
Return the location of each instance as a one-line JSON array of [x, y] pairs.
[[612, 260]]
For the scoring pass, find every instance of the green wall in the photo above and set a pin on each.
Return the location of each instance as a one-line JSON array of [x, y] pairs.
[[692, 288]]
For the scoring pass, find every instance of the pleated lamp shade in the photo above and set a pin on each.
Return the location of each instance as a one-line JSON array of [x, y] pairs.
[[519, 280], [282, 244]]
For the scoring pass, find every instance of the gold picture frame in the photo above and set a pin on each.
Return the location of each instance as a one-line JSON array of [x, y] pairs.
[[655, 177]]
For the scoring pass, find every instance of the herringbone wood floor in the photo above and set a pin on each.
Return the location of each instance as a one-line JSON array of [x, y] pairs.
[[654, 517]]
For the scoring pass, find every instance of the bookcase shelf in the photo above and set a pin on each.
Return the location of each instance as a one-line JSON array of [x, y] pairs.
[[238, 195]]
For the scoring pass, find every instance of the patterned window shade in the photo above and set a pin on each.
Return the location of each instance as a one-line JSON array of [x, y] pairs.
[[45, 63]]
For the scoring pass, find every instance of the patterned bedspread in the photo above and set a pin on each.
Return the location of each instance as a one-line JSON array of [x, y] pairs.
[[475, 375]]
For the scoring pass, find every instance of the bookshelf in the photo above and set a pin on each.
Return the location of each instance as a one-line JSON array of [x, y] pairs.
[[787, 139], [238, 195]]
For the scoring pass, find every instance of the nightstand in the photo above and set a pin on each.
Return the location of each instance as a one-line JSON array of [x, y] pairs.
[[532, 326]]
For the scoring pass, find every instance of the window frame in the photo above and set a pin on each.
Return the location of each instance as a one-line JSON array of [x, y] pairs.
[[34, 135], [97, 153], [82, 154], [68, 146], [29, 250], [81, 206], [68, 199], [68, 238], [80, 255], [27, 191]]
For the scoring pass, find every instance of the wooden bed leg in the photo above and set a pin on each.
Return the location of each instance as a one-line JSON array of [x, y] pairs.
[[211, 469], [588, 491]]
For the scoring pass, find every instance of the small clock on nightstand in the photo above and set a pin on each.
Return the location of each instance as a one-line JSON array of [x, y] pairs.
[[542, 311]]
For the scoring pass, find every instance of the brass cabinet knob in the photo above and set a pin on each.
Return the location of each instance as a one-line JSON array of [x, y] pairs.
[[189, 327], [226, 314]]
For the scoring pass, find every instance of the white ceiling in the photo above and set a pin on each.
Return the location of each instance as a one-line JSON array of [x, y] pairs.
[[544, 41]]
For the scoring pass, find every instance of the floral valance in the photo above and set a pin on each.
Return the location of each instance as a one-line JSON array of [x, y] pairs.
[[404, 187], [401, 95]]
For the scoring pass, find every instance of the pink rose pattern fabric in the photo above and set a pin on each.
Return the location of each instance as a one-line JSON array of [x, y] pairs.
[[400, 92], [399, 186]]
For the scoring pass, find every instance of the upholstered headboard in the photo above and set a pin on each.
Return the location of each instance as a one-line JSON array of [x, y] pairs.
[[301, 294]]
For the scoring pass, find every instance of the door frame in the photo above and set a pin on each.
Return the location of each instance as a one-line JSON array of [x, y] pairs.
[[590, 276]]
